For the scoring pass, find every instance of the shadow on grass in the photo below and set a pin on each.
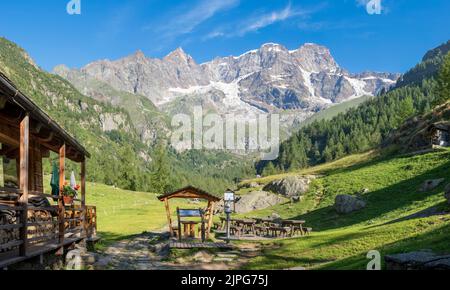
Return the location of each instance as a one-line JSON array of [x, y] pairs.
[[435, 240], [271, 260], [436, 210], [380, 202]]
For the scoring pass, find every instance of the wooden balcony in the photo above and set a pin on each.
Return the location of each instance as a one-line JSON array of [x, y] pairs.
[[46, 229]]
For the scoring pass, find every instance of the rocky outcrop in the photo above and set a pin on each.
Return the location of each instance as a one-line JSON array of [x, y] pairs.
[[257, 200], [431, 184], [290, 186], [252, 201], [345, 203], [421, 260]]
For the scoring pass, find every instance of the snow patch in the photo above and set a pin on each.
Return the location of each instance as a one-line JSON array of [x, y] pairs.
[[359, 87], [307, 78], [246, 53]]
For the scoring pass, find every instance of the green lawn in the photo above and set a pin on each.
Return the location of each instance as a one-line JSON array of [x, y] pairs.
[[123, 213], [342, 241]]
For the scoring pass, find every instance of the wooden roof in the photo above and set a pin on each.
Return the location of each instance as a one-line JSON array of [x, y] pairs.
[[190, 192], [14, 107], [441, 126]]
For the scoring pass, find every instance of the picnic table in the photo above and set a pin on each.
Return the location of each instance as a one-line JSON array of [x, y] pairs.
[[264, 221], [294, 225], [189, 228], [248, 225]]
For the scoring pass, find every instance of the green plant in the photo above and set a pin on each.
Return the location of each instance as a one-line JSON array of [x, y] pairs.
[[69, 191]]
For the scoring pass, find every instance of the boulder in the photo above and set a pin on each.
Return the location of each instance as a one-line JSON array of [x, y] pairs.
[[431, 184], [447, 193], [251, 201], [345, 203], [420, 260], [257, 200], [290, 186]]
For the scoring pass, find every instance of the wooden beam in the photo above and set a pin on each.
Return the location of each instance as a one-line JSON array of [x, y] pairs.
[[83, 197], [169, 217], [24, 176], [9, 135], [211, 206], [62, 180]]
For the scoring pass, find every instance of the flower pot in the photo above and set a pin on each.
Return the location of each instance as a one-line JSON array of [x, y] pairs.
[[68, 200]]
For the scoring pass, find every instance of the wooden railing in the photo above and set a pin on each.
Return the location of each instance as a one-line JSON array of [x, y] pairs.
[[45, 229]]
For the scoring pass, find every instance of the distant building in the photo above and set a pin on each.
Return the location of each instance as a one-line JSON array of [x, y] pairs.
[[440, 134]]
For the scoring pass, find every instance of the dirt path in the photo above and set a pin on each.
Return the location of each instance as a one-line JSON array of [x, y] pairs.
[[150, 252]]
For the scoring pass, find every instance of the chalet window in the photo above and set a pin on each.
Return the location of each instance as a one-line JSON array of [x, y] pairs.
[[8, 169]]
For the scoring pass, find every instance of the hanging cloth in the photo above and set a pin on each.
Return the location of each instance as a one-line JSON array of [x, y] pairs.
[[54, 181]]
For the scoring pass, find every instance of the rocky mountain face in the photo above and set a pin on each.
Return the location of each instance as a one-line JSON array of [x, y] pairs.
[[269, 79]]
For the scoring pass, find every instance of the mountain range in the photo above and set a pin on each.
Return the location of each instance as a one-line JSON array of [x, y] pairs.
[[271, 79]]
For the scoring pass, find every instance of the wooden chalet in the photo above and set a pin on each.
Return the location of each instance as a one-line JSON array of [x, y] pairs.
[[34, 223], [440, 134]]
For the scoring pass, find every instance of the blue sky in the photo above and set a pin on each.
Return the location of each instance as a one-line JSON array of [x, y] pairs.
[[393, 41]]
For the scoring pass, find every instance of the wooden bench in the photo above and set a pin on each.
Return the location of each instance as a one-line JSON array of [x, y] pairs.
[[307, 231], [279, 231], [236, 230], [261, 230]]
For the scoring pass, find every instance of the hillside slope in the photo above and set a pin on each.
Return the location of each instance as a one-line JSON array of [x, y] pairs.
[[398, 217], [112, 127]]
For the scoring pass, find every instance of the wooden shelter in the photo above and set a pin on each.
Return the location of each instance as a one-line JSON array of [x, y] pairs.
[[29, 224], [191, 192], [440, 134]]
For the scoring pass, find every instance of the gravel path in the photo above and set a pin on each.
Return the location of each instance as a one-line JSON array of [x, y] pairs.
[[140, 253]]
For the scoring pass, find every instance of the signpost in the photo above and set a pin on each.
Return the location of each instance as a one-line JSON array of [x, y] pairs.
[[228, 200]]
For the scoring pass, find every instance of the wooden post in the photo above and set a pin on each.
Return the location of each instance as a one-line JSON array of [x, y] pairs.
[[180, 234], [62, 180], [211, 206], [169, 218], [83, 198], [24, 166]]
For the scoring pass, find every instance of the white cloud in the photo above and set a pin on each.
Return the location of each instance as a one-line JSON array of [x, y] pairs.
[[184, 22], [268, 19], [260, 21]]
